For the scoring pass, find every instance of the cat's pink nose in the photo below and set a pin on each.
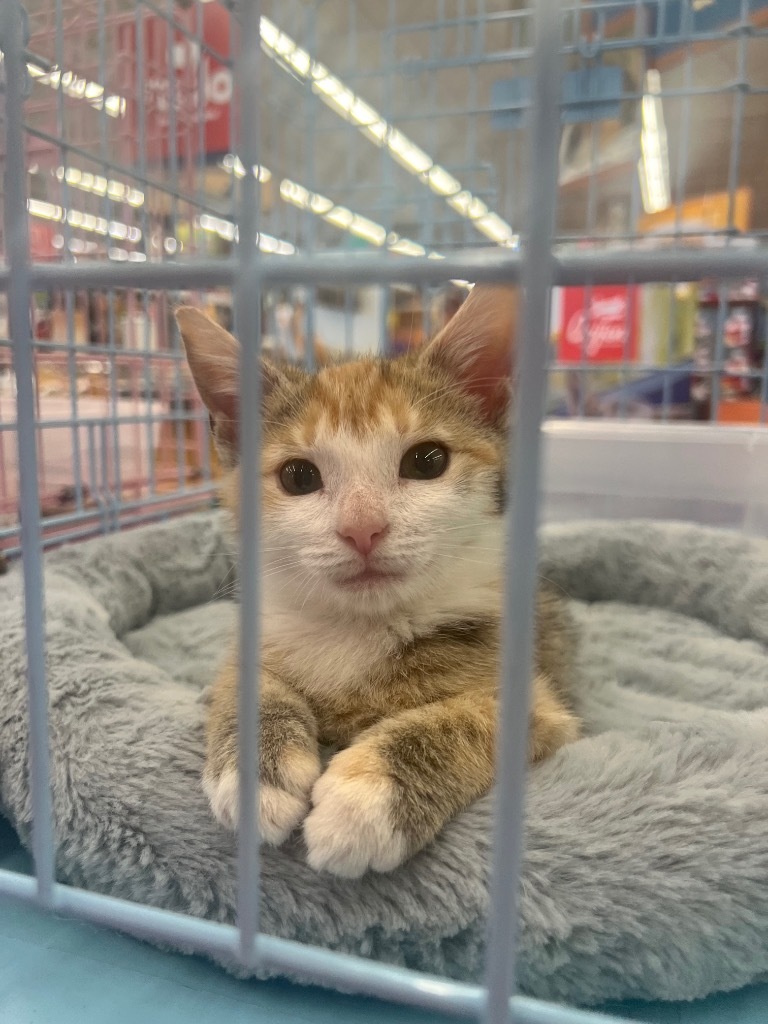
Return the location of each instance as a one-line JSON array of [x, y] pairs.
[[363, 537]]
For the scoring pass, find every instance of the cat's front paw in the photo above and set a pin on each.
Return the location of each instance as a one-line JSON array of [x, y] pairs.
[[281, 809], [351, 827]]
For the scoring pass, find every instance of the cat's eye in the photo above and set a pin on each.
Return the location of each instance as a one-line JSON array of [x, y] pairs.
[[300, 476], [424, 461]]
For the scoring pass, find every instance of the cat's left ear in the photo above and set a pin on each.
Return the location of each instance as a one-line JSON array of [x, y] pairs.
[[477, 346]]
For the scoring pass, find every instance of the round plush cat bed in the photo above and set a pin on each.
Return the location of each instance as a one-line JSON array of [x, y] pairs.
[[646, 872]]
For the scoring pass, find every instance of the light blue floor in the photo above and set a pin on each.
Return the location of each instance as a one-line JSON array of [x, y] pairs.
[[55, 971]]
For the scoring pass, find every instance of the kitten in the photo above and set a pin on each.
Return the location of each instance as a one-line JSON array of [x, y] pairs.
[[382, 523]]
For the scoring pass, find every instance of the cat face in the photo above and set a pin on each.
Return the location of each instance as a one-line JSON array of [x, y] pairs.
[[382, 481]]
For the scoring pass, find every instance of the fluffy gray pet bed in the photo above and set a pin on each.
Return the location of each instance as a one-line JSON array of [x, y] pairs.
[[647, 866]]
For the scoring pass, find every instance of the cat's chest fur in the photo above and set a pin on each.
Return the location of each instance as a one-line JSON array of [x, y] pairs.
[[354, 674]]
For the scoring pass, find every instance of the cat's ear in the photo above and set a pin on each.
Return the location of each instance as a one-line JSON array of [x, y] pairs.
[[213, 355], [477, 346]]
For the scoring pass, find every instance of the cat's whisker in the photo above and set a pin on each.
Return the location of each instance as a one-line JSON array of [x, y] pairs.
[[281, 568], [557, 586], [224, 580], [468, 527], [452, 388], [318, 578]]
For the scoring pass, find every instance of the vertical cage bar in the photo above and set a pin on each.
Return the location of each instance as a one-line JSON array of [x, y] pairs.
[[201, 425], [716, 370], [312, 114], [248, 319], [139, 73], [386, 179], [61, 125], [19, 300], [176, 402], [521, 546], [684, 142], [666, 394], [116, 494], [114, 404], [741, 88]]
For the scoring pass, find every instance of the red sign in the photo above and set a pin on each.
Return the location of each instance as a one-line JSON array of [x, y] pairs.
[[41, 235], [202, 84], [598, 325]]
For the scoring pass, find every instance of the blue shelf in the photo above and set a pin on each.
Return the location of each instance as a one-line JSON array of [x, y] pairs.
[[672, 384]]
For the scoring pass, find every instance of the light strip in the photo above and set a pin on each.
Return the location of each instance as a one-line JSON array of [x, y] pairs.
[[234, 165], [227, 230], [84, 221], [346, 220], [332, 91], [339, 216], [298, 195], [342, 218], [80, 89], [653, 167], [100, 186], [405, 247], [76, 245], [122, 256]]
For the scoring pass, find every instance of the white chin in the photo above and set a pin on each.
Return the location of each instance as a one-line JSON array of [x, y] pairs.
[[372, 591], [368, 586]]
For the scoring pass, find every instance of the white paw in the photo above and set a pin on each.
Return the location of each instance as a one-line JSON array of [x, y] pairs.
[[348, 831], [279, 811], [223, 796]]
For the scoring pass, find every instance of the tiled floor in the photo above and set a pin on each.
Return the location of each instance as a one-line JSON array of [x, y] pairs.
[[132, 441]]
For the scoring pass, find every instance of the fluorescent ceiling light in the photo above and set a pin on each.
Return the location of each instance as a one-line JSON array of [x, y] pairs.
[[313, 202], [442, 182], [468, 205], [345, 219], [227, 230], [407, 153], [340, 216], [234, 165], [320, 204], [496, 229], [368, 230], [653, 168], [343, 101], [83, 221], [405, 247], [100, 186], [218, 226], [76, 245], [79, 88], [122, 255]]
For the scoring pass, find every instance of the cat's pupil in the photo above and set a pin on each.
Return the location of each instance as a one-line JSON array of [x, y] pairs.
[[424, 461], [300, 476]]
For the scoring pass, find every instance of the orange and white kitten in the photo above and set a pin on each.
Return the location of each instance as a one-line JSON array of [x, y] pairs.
[[382, 533]]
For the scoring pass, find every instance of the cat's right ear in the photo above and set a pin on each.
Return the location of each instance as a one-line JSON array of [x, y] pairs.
[[213, 355], [477, 346]]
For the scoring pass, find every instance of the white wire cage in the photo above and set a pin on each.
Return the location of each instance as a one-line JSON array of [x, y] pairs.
[[322, 175]]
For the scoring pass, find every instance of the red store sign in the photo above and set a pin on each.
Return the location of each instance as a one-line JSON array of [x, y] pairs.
[[194, 70], [598, 325], [41, 235]]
